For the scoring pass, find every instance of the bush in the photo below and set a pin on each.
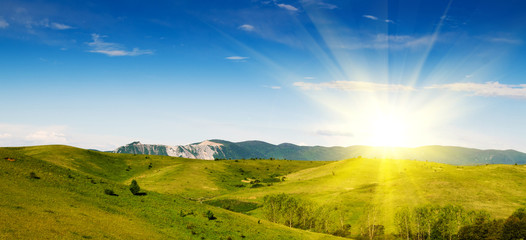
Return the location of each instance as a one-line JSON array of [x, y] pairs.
[[110, 192], [134, 188], [257, 185], [33, 175], [210, 215]]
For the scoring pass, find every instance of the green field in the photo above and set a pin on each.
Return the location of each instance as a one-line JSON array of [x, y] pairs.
[[68, 199]]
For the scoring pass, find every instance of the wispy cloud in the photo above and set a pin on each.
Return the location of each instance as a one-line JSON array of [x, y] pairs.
[[5, 135], [113, 49], [308, 78], [13, 135], [370, 17], [375, 18], [247, 27], [334, 133], [503, 40], [287, 7], [3, 23], [488, 89], [47, 137], [237, 58], [353, 86], [319, 4], [60, 26], [273, 87], [383, 41]]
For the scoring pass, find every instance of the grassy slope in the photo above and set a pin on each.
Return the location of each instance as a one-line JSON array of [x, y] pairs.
[[76, 207], [68, 202], [390, 184]]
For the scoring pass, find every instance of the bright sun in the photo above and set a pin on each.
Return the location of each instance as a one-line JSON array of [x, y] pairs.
[[389, 130]]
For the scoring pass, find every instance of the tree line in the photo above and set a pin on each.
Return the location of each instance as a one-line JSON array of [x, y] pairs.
[[428, 222], [454, 222], [300, 213]]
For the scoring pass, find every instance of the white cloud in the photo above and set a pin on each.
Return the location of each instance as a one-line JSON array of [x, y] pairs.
[[60, 26], [334, 133], [308, 78], [236, 58], [3, 23], [47, 137], [287, 6], [488, 89], [113, 49], [246, 27], [5, 135], [384, 41], [504, 40], [353, 86], [275, 87], [370, 17], [389, 21], [319, 4]]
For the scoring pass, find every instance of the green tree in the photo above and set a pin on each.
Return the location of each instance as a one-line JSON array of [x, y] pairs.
[[134, 187], [515, 226], [403, 221]]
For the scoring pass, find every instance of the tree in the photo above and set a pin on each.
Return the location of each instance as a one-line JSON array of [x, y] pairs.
[[515, 226], [403, 220], [134, 187]]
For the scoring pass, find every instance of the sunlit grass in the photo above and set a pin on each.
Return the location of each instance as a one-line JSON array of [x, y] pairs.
[[68, 200]]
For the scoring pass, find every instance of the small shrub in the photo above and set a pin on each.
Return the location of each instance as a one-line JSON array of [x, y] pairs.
[[257, 185], [134, 187], [110, 192], [33, 175], [150, 166], [210, 215], [184, 213]]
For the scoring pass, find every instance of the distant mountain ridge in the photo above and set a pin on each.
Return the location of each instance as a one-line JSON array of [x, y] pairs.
[[221, 149]]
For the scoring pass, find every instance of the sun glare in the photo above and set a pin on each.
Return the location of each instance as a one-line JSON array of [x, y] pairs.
[[389, 130]]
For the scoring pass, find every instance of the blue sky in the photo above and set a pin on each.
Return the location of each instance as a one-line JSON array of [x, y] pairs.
[[100, 74]]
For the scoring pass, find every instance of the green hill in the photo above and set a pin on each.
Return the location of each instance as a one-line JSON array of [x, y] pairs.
[[390, 185], [58, 192], [65, 196]]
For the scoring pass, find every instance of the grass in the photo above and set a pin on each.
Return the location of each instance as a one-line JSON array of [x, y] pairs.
[[392, 184], [69, 199]]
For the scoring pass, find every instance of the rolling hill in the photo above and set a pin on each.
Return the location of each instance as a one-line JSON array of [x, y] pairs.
[[59, 191], [220, 149]]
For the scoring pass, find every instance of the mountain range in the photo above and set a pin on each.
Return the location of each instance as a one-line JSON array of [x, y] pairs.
[[221, 149]]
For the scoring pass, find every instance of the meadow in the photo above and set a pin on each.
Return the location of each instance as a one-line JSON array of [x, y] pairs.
[[61, 192]]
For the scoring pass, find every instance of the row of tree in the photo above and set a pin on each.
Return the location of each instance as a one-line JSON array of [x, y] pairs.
[[454, 222], [300, 213], [427, 222]]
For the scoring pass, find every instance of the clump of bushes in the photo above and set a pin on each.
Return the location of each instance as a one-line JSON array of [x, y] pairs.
[[257, 185]]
